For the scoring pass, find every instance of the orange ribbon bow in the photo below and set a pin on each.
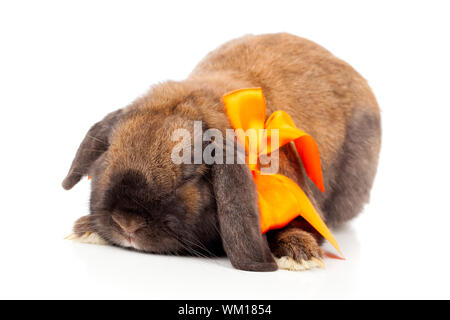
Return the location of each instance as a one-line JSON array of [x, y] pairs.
[[280, 199]]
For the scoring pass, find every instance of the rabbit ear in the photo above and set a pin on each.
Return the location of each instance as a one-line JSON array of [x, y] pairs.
[[238, 217], [95, 143]]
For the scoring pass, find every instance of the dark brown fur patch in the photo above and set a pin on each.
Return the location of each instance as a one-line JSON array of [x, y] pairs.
[[191, 197]]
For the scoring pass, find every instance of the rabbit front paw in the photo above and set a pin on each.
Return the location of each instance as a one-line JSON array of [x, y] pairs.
[[296, 250]]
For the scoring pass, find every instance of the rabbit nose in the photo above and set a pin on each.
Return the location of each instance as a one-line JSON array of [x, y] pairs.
[[128, 226]]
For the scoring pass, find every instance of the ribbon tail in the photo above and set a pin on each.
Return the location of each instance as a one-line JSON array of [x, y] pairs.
[[309, 213]]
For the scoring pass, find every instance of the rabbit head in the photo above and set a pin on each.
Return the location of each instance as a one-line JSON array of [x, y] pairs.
[[142, 199]]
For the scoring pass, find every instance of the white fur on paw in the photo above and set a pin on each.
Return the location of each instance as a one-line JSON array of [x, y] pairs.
[[287, 263], [88, 237]]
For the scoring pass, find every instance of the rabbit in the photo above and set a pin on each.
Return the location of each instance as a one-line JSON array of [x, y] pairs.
[[141, 199]]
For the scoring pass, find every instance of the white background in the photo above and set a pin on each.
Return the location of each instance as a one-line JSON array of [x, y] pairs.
[[65, 64]]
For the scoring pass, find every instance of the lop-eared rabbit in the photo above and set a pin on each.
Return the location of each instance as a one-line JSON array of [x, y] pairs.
[[141, 199]]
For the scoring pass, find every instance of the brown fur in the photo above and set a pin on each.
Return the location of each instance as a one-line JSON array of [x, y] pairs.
[[82, 226], [202, 208], [295, 243]]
